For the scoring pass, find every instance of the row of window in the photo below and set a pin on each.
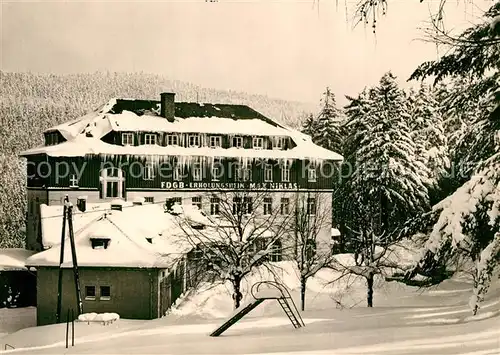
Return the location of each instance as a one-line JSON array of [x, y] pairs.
[[112, 182], [241, 173], [91, 293], [194, 140], [275, 253], [245, 205]]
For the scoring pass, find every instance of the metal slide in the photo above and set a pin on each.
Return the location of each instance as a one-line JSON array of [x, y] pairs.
[[274, 291]]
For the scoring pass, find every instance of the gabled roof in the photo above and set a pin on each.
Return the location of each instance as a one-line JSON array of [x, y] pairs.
[[127, 232]]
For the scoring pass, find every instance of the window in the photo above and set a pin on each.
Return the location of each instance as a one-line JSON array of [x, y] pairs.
[[215, 141], [311, 174], [196, 171], [90, 292], [73, 181], [127, 139], [276, 251], [243, 173], [112, 183], [279, 143], [268, 173], [149, 172], [176, 200], [178, 172], [99, 243], [196, 201], [311, 205], [172, 139], [238, 142], [150, 139], [214, 206], [285, 205], [258, 142], [149, 199], [105, 293], [236, 205], [216, 170], [245, 207], [194, 140], [268, 205], [285, 173]]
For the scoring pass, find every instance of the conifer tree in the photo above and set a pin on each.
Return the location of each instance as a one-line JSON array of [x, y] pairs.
[[328, 129], [427, 131], [383, 181]]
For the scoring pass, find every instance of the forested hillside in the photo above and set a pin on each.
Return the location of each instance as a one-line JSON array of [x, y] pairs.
[[31, 103]]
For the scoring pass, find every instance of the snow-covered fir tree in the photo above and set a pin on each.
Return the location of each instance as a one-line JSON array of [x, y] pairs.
[[326, 129], [384, 183], [309, 125], [428, 133], [388, 174], [467, 223]]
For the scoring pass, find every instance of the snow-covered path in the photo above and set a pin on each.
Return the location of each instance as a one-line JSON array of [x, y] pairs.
[[405, 321], [356, 331]]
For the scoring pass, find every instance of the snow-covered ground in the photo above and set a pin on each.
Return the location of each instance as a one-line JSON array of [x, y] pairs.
[[404, 321], [14, 319]]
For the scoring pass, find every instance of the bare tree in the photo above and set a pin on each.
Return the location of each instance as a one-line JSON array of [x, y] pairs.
[[245, 233], [312, 218], [374, 254]]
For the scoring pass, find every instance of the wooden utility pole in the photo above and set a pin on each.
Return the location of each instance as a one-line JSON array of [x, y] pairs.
[[76, 276], [68, 217], [61, 261]]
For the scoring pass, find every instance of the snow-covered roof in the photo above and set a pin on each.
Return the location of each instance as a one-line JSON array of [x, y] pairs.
[[83, 136], [14, 258], [127, 230]]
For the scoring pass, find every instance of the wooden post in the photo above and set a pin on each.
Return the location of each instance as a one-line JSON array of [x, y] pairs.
[[72, 327], [61, 261], [67, 329], [75, 262]]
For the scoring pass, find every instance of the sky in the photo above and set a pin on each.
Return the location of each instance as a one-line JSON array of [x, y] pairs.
[[285, 49]]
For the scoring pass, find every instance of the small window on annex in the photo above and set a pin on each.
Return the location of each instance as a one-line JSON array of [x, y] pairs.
[[105, 293], [90, 292]]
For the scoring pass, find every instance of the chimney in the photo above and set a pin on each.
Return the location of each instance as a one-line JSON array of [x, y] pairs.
[[168, 105]]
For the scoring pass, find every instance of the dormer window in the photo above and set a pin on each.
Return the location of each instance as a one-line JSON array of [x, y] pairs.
[[194, 140], [215, 141], [150, 139], [258, 143], [99, 243], [279, 143], [238, 142], [172, 139], [127, 139]]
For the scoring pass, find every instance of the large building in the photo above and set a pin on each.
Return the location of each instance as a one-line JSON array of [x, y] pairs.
[[160, 150]]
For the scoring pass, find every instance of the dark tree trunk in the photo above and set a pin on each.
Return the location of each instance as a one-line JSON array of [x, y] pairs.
[[369, 297], [237, 296], [303, 282]]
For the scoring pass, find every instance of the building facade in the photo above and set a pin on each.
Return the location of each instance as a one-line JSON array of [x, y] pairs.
[[161, 150]]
